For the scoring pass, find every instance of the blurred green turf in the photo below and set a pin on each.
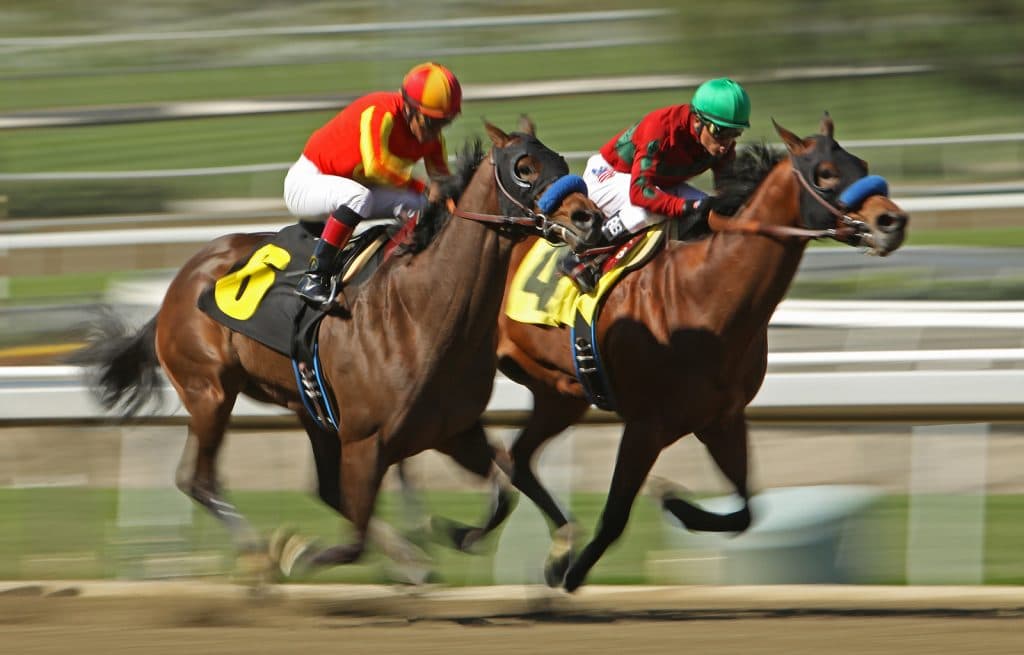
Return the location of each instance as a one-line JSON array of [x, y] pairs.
[[61, 533], [568, 123]]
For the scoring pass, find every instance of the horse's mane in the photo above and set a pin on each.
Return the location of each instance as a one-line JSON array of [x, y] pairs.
[[748, 171], [436, 214]]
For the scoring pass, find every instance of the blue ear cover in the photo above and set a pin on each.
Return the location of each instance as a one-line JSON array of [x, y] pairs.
[[862, 189], [559, 189]]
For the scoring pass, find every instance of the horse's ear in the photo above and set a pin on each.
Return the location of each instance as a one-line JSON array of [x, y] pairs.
[[498, 138], [793, 143], [526, 125], [827, 126]]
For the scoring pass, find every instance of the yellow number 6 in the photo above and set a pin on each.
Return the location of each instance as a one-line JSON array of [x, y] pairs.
[[239, 294]]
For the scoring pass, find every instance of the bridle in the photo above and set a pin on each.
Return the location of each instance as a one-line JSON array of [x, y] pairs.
[[547, 192], [847, 230], [528, 218]]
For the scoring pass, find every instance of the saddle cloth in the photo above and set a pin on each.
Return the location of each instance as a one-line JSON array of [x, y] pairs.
[[540, 296], [257, 295]]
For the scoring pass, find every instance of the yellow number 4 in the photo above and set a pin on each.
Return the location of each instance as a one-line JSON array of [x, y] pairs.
[[239, 294]]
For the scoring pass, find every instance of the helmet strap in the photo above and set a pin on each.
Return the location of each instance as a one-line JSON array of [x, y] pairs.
[[700, 125]]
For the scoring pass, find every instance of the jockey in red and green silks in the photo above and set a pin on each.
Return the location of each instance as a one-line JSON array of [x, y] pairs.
[[360, 165], [639, 178]]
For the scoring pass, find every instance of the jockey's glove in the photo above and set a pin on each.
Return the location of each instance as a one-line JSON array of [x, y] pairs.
[[696, 209]]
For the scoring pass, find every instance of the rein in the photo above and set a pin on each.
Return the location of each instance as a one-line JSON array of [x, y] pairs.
[[846, 231]]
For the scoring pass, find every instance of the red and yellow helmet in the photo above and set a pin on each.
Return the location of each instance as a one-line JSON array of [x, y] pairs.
[[433, 90]]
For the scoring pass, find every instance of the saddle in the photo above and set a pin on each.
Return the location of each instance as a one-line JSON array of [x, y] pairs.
[[586, 268]]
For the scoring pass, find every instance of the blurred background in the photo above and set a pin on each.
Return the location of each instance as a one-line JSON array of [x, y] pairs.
[[887, 440]]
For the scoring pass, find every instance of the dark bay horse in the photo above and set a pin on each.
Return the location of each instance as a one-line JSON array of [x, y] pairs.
[[410, 364], [684, 339]]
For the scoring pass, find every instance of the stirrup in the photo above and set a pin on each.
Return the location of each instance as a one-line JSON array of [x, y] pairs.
[[318, 290], [578, 271]]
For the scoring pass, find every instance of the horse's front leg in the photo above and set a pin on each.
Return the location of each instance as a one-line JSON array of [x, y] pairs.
[[552, 413], [726, 441], [361, 471], [471, 450], [638, 450]]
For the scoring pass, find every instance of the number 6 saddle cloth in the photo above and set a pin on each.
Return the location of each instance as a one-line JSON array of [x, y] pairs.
[[257, 295]]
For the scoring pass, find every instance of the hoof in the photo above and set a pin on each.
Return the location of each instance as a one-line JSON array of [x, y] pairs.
[[410, 574], [454, 534], [254, 569], [661, 489], [555, 569], [290, 552], [562, 555], [573, 579]]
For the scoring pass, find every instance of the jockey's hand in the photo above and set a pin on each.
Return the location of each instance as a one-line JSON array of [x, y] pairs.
[[697, 210], [434, 192]]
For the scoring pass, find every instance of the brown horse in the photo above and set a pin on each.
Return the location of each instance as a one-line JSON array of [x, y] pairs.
[[410, 364], [684, 339]]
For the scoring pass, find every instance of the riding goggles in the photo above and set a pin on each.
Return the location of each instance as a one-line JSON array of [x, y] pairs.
[[723, 133], [435, 124]]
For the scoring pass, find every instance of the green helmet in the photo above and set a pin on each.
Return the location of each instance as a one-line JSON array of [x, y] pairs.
[[722, 102]]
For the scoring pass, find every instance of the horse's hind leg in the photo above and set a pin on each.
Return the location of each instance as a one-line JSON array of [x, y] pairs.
[[726, 442], [638, 451], [210, 405], [471, 450]]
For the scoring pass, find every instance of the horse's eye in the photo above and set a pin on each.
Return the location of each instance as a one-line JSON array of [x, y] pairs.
[[826, 177], [524, 170]]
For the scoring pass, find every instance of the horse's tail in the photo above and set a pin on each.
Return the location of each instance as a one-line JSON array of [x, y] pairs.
[[122, 368]]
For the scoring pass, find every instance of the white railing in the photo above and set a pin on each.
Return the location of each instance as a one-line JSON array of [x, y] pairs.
[[57, 393]]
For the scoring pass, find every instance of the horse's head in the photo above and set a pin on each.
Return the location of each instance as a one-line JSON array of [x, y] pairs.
[[534, 180], [838, 194]]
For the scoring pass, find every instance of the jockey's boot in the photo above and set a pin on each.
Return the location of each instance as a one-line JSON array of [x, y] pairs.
[[578, 271], [318, 286]]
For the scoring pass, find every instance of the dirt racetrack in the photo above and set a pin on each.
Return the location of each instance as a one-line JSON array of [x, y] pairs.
[[211, 619]]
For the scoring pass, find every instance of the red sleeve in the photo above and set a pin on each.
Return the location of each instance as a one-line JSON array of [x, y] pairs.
[[436, 159], [649, 140]]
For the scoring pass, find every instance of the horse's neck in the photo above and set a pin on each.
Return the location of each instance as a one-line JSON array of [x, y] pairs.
[[756, 270], [464, 269]]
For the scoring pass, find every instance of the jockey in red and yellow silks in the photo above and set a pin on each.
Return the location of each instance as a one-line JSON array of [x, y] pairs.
[[371, 143], [360, 165]]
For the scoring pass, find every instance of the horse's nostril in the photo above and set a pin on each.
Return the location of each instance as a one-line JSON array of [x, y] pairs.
[[582, 219], [889, 222]]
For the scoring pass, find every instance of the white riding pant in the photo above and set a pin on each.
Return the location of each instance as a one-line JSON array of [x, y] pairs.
[[609, 189], [311, 195]]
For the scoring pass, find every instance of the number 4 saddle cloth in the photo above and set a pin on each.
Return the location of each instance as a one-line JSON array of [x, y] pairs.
[[539, 295]]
